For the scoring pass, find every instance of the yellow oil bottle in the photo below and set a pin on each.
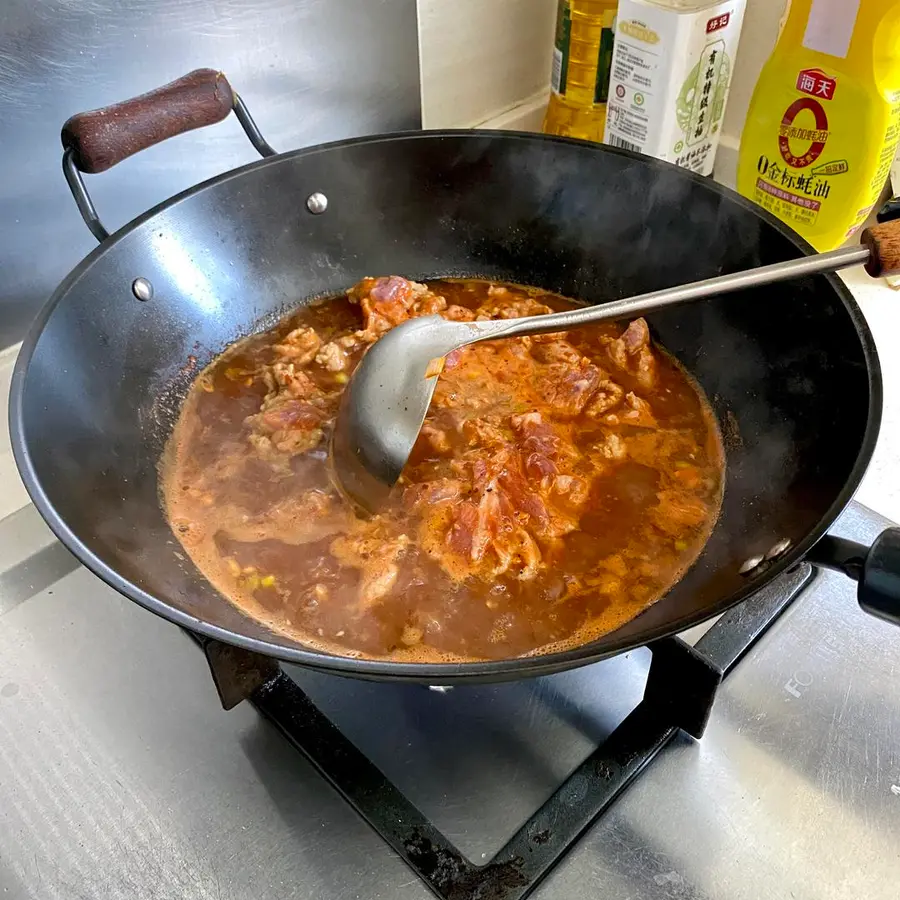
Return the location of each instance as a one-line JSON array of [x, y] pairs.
[[824, 121], [581, 64]]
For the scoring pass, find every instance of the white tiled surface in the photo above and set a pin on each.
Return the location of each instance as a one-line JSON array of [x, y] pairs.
[[880, 489]]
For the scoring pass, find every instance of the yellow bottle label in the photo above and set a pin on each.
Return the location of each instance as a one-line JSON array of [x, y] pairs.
[[824, 123], [807, 172], [787, 184]]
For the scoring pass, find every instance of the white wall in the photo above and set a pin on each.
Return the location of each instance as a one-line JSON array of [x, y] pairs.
[[482, 57], [757, 40]]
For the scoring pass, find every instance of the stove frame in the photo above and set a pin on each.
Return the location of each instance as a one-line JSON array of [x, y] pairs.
[[681, 688]]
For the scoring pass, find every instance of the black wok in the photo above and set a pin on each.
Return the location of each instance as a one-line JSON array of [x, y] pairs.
[[791, 369]]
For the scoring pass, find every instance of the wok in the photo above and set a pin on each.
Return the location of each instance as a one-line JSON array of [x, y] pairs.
[[790, 369]]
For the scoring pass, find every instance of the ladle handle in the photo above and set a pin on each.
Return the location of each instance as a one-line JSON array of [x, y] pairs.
[[653, 302], [883, 243]]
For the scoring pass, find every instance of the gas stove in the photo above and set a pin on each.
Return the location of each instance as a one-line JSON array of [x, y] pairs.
[[122, 777]]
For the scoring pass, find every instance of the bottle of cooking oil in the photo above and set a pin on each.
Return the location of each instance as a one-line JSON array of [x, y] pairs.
[[581, 64], [671, 74], [824, 121]]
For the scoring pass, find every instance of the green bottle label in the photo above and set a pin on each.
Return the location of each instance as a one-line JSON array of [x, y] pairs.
[[561, 50], [604, 65]]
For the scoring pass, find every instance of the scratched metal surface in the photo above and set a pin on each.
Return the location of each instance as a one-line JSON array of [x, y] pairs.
[[121, 778], [310, 71]]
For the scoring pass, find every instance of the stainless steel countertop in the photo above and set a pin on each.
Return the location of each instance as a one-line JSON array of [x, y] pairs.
[[121, 777]]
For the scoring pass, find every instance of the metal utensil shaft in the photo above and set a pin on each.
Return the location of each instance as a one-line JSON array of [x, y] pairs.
[[675, 296]]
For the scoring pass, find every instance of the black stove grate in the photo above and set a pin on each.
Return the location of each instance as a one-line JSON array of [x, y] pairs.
[[681, 687]]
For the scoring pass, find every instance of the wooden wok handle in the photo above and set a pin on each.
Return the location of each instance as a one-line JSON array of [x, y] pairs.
[[103, 137], [883, 244]]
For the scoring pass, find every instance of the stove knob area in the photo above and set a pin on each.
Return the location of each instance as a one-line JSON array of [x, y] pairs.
[[879, 587]]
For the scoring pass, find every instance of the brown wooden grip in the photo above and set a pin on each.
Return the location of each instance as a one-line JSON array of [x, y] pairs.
[[103, 137], [883, 243]]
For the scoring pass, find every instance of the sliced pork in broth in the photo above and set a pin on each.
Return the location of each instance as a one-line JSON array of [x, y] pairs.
[[560, 485]]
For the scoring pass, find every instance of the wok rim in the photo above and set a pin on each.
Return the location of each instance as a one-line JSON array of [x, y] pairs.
[[434, 673]]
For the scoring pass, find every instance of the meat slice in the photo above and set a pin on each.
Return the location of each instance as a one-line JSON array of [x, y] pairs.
[[636, 336], [569, 491], [526, 504], [546, 449], [549, 338], [566, 497], [296, 409], [660, 449], [678, 510], [611, 448], [433, 439], [568, 388], [635, 412], [556, 351], [543, 447], [390, 300], [286, 378], [484, 434], [286, 425], [374, 552], [519, 554], [460, 536], [430, 493], [487, 521], [646, 369], [289, 415], [504, 303], [536, 434], [385, 302], [428, 304], [607, 396], [538, 467], [453, 359], [299, 346], [484, 540], [458, 313], [631, 353], [333, 357]]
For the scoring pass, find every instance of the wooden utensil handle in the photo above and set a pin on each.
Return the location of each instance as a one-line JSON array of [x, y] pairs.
[[103, 137], [883, 243]]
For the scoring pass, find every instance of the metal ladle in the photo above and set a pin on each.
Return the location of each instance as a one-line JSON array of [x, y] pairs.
[[387, 397]]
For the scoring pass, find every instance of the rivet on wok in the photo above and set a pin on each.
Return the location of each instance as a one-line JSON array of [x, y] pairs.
[[778, 549], [142, 289], [440, 688], [750, 565], [317, 203]]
